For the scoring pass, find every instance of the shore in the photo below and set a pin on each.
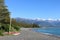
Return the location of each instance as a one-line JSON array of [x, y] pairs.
[[27, 34]]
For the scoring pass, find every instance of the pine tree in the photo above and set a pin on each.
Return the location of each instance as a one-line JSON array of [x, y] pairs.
[[5, 20], [4, 16]]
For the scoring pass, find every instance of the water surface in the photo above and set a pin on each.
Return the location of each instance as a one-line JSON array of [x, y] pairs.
[[52, 30]]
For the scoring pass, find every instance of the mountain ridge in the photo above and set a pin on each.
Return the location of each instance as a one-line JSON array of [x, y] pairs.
[[42, 22]]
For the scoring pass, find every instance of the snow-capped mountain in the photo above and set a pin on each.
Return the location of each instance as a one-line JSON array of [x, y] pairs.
[[40, 19], [42, 22]]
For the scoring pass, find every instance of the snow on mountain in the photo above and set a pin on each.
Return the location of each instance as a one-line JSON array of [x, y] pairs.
[[43, 22], [41, 19]]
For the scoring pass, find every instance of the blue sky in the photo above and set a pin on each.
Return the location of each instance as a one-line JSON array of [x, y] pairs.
[[34, 8]]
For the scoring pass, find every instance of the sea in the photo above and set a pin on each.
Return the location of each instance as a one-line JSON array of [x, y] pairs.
[[49, 31]]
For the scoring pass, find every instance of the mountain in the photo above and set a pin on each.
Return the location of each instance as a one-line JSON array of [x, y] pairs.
[[41, 22]]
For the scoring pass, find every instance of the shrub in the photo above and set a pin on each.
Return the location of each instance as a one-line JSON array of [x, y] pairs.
[[1, 33]]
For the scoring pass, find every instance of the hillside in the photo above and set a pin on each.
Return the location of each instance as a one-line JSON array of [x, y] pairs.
[[41, 22]]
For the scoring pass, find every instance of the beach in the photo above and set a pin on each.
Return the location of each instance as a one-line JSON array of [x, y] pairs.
[[28, 34]]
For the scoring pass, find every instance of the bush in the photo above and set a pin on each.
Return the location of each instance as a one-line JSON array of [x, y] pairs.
[[5, 27], [17, 28], [35, 25], [1, 33]]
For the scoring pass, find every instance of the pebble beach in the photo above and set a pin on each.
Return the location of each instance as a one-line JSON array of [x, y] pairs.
[[28, 34]]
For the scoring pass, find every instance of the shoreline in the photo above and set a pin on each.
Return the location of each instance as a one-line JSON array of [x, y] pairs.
[[28, 34], [46, 33], [53, 37]]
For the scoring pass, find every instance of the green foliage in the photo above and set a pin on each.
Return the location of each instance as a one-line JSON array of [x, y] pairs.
[[5, 27], [15, 24], [27, 25], [1, 33], [5, 19], [35, 25], [1, 1], [17, 28]]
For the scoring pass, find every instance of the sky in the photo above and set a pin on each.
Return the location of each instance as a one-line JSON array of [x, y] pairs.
[[34, 8]]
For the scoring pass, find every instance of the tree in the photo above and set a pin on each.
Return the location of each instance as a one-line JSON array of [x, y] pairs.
[[35, 25], [4, 15], [5, 19]]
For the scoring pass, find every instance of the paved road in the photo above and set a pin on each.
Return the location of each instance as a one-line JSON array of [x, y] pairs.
[[29, 35]]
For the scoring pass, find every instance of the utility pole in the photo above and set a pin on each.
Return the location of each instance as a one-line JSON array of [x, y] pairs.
[[10, 24]]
